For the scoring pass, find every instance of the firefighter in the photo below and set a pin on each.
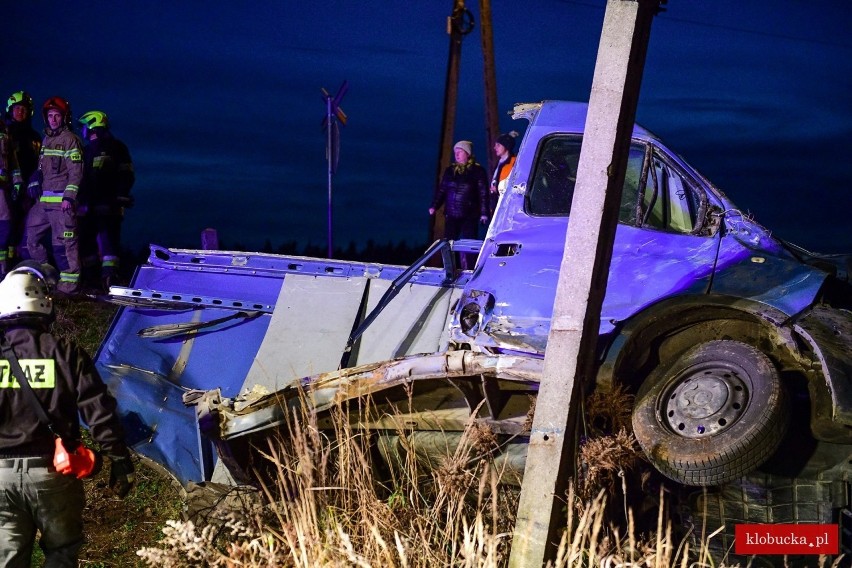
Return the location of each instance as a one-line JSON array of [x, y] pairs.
[[25, 145], [10, 185], [105, 194], [33, 494], [55, 185]]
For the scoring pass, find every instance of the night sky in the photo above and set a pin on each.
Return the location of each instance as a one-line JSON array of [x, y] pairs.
[[220, 105]]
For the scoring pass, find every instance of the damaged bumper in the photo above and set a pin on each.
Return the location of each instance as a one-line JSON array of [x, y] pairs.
[[828, 333], [483, 382], [439, 392]]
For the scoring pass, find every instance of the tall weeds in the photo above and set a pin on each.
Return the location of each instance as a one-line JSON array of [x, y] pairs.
[[349, 496]]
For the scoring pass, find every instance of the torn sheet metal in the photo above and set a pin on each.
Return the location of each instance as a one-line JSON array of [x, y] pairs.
[[439, 393], [257, 410], [202, 320]]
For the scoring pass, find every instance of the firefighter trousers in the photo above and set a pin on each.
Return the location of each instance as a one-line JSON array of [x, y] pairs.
[[5, 232], [43, 220], [100, 244]]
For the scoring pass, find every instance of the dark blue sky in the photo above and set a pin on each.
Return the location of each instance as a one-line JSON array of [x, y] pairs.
[[221, 105]]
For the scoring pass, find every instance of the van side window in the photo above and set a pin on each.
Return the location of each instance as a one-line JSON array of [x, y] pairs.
[[670, 201], [629, 212], [555, 174]]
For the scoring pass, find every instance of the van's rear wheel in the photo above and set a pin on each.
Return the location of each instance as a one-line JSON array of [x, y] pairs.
[[714, 415]]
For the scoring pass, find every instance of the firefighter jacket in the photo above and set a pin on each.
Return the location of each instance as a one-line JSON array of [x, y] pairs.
[[463, 191], [10, 175], [61, 166], [65, 381], [108, 175], [26, 145]]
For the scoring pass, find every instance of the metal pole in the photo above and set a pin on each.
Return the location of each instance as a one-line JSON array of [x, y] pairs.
[[333, 115], [329, 142], [569, 361]]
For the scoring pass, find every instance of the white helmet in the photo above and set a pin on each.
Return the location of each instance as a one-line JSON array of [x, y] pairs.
[[25, 292]]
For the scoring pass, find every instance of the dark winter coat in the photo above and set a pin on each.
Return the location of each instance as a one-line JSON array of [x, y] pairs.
[[463, 191]]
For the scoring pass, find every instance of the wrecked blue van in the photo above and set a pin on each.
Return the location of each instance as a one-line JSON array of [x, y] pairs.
[[734, 343]]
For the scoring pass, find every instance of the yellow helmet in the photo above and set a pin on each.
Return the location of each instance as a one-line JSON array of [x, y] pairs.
[[94, 119], [20, 98]]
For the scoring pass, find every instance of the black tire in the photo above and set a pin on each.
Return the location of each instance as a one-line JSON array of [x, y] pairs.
[[759, 498], [714, 415]]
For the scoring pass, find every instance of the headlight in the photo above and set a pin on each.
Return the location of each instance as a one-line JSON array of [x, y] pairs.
[[470, 318], [473, 312]]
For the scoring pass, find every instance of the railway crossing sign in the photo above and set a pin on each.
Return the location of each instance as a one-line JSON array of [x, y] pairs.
[[334, 115]]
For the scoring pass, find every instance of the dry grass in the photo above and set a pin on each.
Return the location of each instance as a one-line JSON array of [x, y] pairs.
[[328, 500], [609, 409], [607, 460], [83, 321], [115, 528]]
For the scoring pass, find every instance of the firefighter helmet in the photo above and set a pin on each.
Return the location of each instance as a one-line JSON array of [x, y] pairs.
[[20, 98], [25, 293], [60, 104], [94, 119]]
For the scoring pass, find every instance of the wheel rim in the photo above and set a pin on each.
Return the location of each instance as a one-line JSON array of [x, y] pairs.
[[704, 400]]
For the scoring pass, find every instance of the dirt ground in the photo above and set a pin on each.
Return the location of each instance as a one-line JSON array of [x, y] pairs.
[[115, 528]]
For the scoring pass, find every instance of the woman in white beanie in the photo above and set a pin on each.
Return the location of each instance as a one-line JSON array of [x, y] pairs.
[[464, 193]]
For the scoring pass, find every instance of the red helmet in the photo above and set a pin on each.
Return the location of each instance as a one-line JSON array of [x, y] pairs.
[[60, 104]]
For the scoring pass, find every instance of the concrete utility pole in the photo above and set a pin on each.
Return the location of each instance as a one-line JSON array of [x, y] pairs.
[[569, 360], [492, 121]]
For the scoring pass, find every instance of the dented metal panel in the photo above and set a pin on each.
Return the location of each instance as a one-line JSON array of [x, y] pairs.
[[312, 320], [417, 324], [829, 336], [199, 320]]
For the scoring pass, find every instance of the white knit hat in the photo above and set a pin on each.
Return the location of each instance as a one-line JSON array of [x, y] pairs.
[[465, 145]]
